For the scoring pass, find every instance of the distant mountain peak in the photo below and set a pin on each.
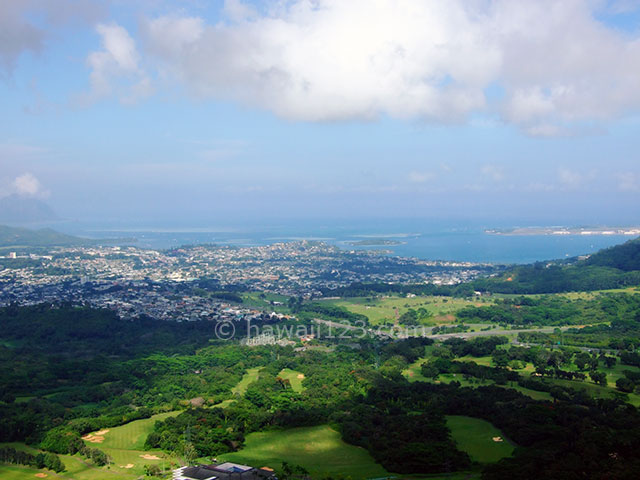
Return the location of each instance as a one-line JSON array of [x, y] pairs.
[[20, 209]]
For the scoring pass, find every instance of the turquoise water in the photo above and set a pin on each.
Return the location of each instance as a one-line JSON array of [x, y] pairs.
[[426, 240]]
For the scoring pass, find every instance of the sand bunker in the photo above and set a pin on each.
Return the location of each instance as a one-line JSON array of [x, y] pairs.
[[497, 439], [128, 465], [301, 376], [41, 475], [146, 456], [97, 437]]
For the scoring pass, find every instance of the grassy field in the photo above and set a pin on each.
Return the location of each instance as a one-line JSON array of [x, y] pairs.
[[262, 300], [295, 379], [389, 309], [318, 449], [477, 438], [123, 444], [132, 435], [247, 379]]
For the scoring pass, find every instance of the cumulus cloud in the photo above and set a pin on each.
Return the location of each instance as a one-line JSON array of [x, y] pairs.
[[16, 34], [20, 33], [27, 184], [555, 63], [334, 60], [117, 66]]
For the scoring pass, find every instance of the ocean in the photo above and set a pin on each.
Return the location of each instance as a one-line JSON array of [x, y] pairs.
[[428, 240]]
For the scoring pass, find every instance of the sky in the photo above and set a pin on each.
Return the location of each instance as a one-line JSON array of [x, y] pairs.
[[198, 111]]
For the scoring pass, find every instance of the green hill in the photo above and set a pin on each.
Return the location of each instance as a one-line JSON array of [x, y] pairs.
[[614, 267], [47, 237], [625, 257]]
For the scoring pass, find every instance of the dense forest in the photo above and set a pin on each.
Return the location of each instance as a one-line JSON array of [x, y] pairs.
[[89, 383]]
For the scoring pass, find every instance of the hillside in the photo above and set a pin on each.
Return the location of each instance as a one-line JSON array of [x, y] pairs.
[[45, 237], [614, 267], [16, 209], [625, 257]]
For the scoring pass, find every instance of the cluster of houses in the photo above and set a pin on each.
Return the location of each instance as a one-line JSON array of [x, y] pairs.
[[291, 269]]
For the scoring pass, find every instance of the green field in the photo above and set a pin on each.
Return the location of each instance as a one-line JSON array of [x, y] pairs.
[[295, 379], [123, 444], [263, 300], [380, 310], [247, 379], [131, 436], [318, 449], [477, 438]]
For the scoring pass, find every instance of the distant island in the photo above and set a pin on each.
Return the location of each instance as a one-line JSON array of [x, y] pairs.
[[565, 231], [374, 242]]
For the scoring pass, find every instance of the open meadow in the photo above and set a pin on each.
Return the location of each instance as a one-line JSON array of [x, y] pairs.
[[381, 310], [318, 449], [482, 441]]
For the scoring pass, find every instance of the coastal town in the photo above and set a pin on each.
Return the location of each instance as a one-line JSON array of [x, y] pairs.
[[176, 284]]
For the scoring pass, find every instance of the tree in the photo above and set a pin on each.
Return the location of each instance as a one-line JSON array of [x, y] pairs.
[[501, 358], [609, 361], [99, 457], [625, 384], [53, 462], [582, 360], [598, 377], [152, 470], [189, 453]]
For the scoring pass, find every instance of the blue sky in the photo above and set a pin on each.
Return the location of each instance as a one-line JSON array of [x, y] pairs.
[[211, 111]]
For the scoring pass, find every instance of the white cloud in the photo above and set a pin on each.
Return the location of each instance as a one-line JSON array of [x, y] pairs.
[[27, 184], [575, 179], [238, 10], [117, 66], [420, 177], [328, 60], [628, 182], [494, 172], [172, 35]]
